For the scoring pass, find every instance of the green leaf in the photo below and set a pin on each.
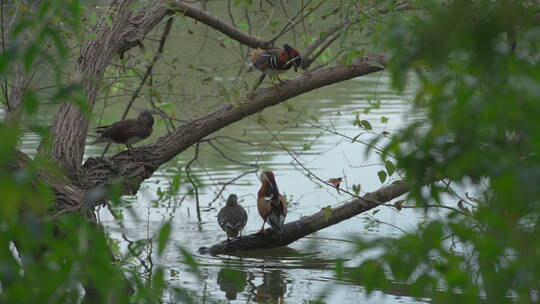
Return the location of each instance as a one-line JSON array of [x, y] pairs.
[[384, 119], [327, 212], [356, 121], [366, 125], [108, 20], [30, 102], [30, 56], [382, 175], [356, 189], [6, 58], [390, 168], [164, 234], [191, 262]]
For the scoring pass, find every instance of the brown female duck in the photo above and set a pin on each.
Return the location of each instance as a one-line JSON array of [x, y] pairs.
[[232, 218], [127, 131]]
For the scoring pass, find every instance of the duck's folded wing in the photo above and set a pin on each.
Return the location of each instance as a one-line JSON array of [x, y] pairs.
[[122, 130], [263, 60], [277, 214]]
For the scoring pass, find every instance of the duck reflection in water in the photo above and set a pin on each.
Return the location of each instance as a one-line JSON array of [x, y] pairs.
[[231, 281], [273, 288]]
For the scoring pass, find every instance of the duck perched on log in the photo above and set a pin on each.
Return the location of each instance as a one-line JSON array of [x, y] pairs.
[[271, 205], [232, 218], [275, 61], [127, 131]]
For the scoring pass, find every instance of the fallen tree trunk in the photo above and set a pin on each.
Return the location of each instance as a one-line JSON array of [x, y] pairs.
[[309, 224]]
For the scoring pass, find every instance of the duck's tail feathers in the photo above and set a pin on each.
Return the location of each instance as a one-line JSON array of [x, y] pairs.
[[100, 129], [276, 220]]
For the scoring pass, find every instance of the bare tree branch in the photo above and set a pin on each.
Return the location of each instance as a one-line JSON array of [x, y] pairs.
[[219, 24], [295, 230], [132, 168], [332, 33]]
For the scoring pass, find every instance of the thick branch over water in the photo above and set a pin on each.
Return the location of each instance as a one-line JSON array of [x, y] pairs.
[[218, 24], [128, 28], [309, 224], [131, 169]]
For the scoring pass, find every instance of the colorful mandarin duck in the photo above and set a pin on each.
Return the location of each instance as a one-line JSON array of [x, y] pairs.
[[127, 131], [275, 61], [336, 182], [273, 288], [271, 205], [232, 218]]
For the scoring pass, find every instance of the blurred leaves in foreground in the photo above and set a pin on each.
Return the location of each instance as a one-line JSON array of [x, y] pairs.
[[62, 258], [479, 87]]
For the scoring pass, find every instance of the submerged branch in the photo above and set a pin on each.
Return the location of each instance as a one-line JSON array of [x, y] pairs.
[[309, 224]]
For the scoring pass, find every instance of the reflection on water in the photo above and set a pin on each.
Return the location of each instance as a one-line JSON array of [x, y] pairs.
[[302, 271], [272, 289], [231, 281]]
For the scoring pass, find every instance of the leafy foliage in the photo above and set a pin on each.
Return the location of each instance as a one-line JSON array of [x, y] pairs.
[[480, 95], [45, 255]]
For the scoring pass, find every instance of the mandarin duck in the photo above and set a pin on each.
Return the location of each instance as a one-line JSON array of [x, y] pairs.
[[273, 288], [232, 218], [336, 182], [127, 131], [275, 61], [271, 205]]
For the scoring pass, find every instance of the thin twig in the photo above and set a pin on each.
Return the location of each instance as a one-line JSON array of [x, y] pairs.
[[228, 158], [302, 165], [192, 182], [230, 182], [290, 25]]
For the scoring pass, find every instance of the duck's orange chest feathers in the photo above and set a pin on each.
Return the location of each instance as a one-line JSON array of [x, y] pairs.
[[263, 204]]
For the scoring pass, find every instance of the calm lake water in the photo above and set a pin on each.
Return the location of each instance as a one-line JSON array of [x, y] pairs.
[[302, 271], [315, 128]]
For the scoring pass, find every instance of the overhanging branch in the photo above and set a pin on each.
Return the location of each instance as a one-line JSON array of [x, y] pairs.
[[219, 24], [309, 224], [133, 168]]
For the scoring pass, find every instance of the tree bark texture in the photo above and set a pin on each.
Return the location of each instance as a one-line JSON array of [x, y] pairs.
[[124, 31], [295, 230]]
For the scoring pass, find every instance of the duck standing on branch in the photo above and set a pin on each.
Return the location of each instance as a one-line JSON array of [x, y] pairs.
[[232, 218], [271, 205], [127, 131], [336, 182], [275, 61]]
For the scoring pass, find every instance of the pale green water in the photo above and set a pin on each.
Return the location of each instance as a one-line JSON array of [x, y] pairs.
[[302, 271]]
